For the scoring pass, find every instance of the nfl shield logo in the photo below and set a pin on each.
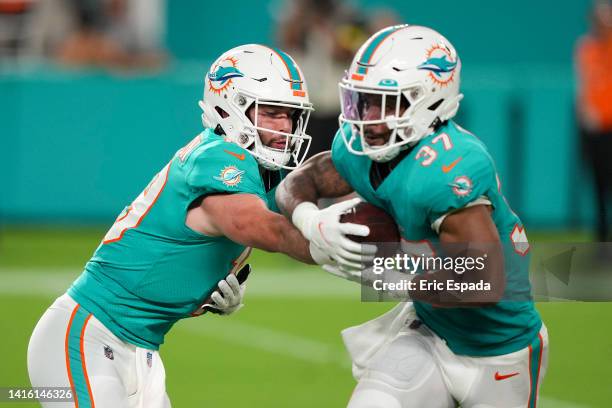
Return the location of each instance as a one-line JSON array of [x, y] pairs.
[[149, 359], [108, 353]]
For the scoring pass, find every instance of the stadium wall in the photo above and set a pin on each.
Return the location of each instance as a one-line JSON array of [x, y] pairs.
[[77, 146]]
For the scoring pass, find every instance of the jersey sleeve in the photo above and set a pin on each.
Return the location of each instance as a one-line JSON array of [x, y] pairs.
[[468, 183], [224, 168]]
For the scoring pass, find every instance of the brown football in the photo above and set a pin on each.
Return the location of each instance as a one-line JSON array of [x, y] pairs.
[[382, 226]]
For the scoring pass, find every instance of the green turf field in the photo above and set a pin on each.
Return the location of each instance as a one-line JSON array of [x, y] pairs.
[[283, 348]]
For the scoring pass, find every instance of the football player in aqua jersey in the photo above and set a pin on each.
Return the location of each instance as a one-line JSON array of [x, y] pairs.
[[399, 149], [179, 243]]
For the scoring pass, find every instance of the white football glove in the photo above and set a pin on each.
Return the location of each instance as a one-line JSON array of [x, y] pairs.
[[348, 274], [320, 256], [329, 236], [227, 299]]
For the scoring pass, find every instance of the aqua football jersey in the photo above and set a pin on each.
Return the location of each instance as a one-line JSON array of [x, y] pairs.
[[151, 269], [446, 171]]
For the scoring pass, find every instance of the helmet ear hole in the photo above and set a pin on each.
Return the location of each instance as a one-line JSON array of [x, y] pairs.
[[219, 130], [435, 105], [250, 114], [404, 103], [221, 112]]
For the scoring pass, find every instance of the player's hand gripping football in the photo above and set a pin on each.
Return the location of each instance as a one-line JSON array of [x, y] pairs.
[[329, 241]]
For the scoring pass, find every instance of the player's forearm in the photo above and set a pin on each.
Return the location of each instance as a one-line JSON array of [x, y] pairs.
[[246, 220], [317, 178], [274, 233], [296, 188], [292, 243]]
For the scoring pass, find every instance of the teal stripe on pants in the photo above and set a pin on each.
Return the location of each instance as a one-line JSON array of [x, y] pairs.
[[534, 370], [82, 397]]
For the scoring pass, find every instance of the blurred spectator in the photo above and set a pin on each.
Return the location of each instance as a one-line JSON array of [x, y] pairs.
[[594, 108], [139, 25], [106, 33], [52, 21], [382, 18], [14, 17], [114, 33]]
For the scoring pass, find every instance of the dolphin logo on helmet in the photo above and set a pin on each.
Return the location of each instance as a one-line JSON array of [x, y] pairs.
[[223, 74], [438, 65]]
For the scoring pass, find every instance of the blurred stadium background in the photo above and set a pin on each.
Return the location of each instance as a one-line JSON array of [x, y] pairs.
[[96, 95]]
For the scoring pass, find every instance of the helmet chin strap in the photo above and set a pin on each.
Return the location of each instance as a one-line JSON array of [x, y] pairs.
[[267, 157], [271, 159], [385, 156], [391, 153]]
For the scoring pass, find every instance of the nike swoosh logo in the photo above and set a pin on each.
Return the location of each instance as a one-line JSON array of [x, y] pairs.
[[448, 168], [236, 155], [499, 377]]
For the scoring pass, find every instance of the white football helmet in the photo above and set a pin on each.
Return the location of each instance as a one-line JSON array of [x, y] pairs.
[[408, 66], [255, 75]]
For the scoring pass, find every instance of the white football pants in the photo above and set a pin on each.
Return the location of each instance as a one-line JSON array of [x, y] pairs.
[[416, 369], [71, 348]]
